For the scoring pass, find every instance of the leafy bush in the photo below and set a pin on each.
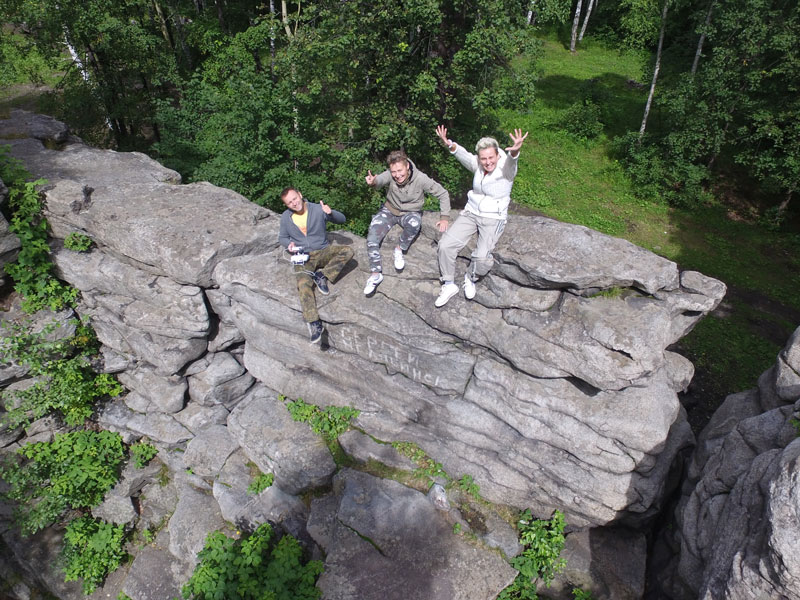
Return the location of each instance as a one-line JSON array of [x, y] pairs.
[[254, 567], [65, 381], [78, 242], [142, 453], [75, 470], [21, 62], [543, 542], [92, 550], [658, 172], [582, 120], [329, 422], [32, 271]]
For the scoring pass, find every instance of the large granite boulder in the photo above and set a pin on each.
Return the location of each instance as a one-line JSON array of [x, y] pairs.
[[545, 391], [385, 541], [533, 401], [737, 522], [277, 444], [136, 313]]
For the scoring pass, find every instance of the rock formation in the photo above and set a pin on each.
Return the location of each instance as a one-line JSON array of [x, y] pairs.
[[737, 520], [553, 389]]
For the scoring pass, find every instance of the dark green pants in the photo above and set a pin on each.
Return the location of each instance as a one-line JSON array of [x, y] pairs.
[[330, 261]]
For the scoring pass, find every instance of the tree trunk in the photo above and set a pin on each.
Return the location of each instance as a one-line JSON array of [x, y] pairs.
[[177, 20], [221, 17], [655, 71], [532, 13], [575, 22], [272, 42], [785, 203], [285, 19], [714, 156], [586, 19], [75, 58], [702, 39], [163, 22]]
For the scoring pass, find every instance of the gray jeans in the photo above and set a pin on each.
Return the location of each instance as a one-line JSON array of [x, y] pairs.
[[380, 225], [457, 236]]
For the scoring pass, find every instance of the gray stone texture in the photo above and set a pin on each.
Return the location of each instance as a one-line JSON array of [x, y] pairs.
[[736, 522], [166, 394], [608, 562], [9, 244], [277, 444], [207, 452], [364, 449], [387, 541], [155, 574], [196, 515], [223, 381], [135, 312]]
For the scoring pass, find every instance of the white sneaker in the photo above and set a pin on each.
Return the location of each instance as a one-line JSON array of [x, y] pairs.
[[399, 259], [372, 283], [448, 291], [469, 287]]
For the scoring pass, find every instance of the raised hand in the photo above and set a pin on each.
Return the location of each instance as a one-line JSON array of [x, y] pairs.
[[325, 208], [441, 131], [516, 137], [370, 178]]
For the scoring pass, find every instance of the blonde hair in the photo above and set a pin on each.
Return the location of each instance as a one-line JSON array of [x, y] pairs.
[[487, 142]]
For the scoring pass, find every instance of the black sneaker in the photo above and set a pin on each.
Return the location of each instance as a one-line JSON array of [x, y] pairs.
[[322, 283], [315, 328]]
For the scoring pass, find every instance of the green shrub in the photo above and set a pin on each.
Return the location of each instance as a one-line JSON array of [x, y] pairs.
[[21, 61], [77, 242], [260, 483], [254, 567], [582, 120], [543, 542], [75, 470], [659, 172], [329, 422], [65, 381], [142, 453], [92, 550], [32, 271]]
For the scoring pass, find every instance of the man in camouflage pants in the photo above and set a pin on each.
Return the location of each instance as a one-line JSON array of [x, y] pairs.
[[303, 231]]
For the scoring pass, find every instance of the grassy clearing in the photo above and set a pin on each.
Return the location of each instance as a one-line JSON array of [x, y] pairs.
[[578, 181]]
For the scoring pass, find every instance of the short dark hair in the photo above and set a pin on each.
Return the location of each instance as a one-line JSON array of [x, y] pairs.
[[396, 156], [288, 189]]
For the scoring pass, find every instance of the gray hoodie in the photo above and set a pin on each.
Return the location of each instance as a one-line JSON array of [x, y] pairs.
[[410, 196]]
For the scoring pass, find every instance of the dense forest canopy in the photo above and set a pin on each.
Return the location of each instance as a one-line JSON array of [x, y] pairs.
[[257, 95]]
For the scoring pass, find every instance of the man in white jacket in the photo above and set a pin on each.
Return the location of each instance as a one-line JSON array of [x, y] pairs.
[[485, 213]]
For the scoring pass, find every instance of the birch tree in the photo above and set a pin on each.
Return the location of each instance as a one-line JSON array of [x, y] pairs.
[[702, 39], [586, 19], [655, 69], [575, 21]]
